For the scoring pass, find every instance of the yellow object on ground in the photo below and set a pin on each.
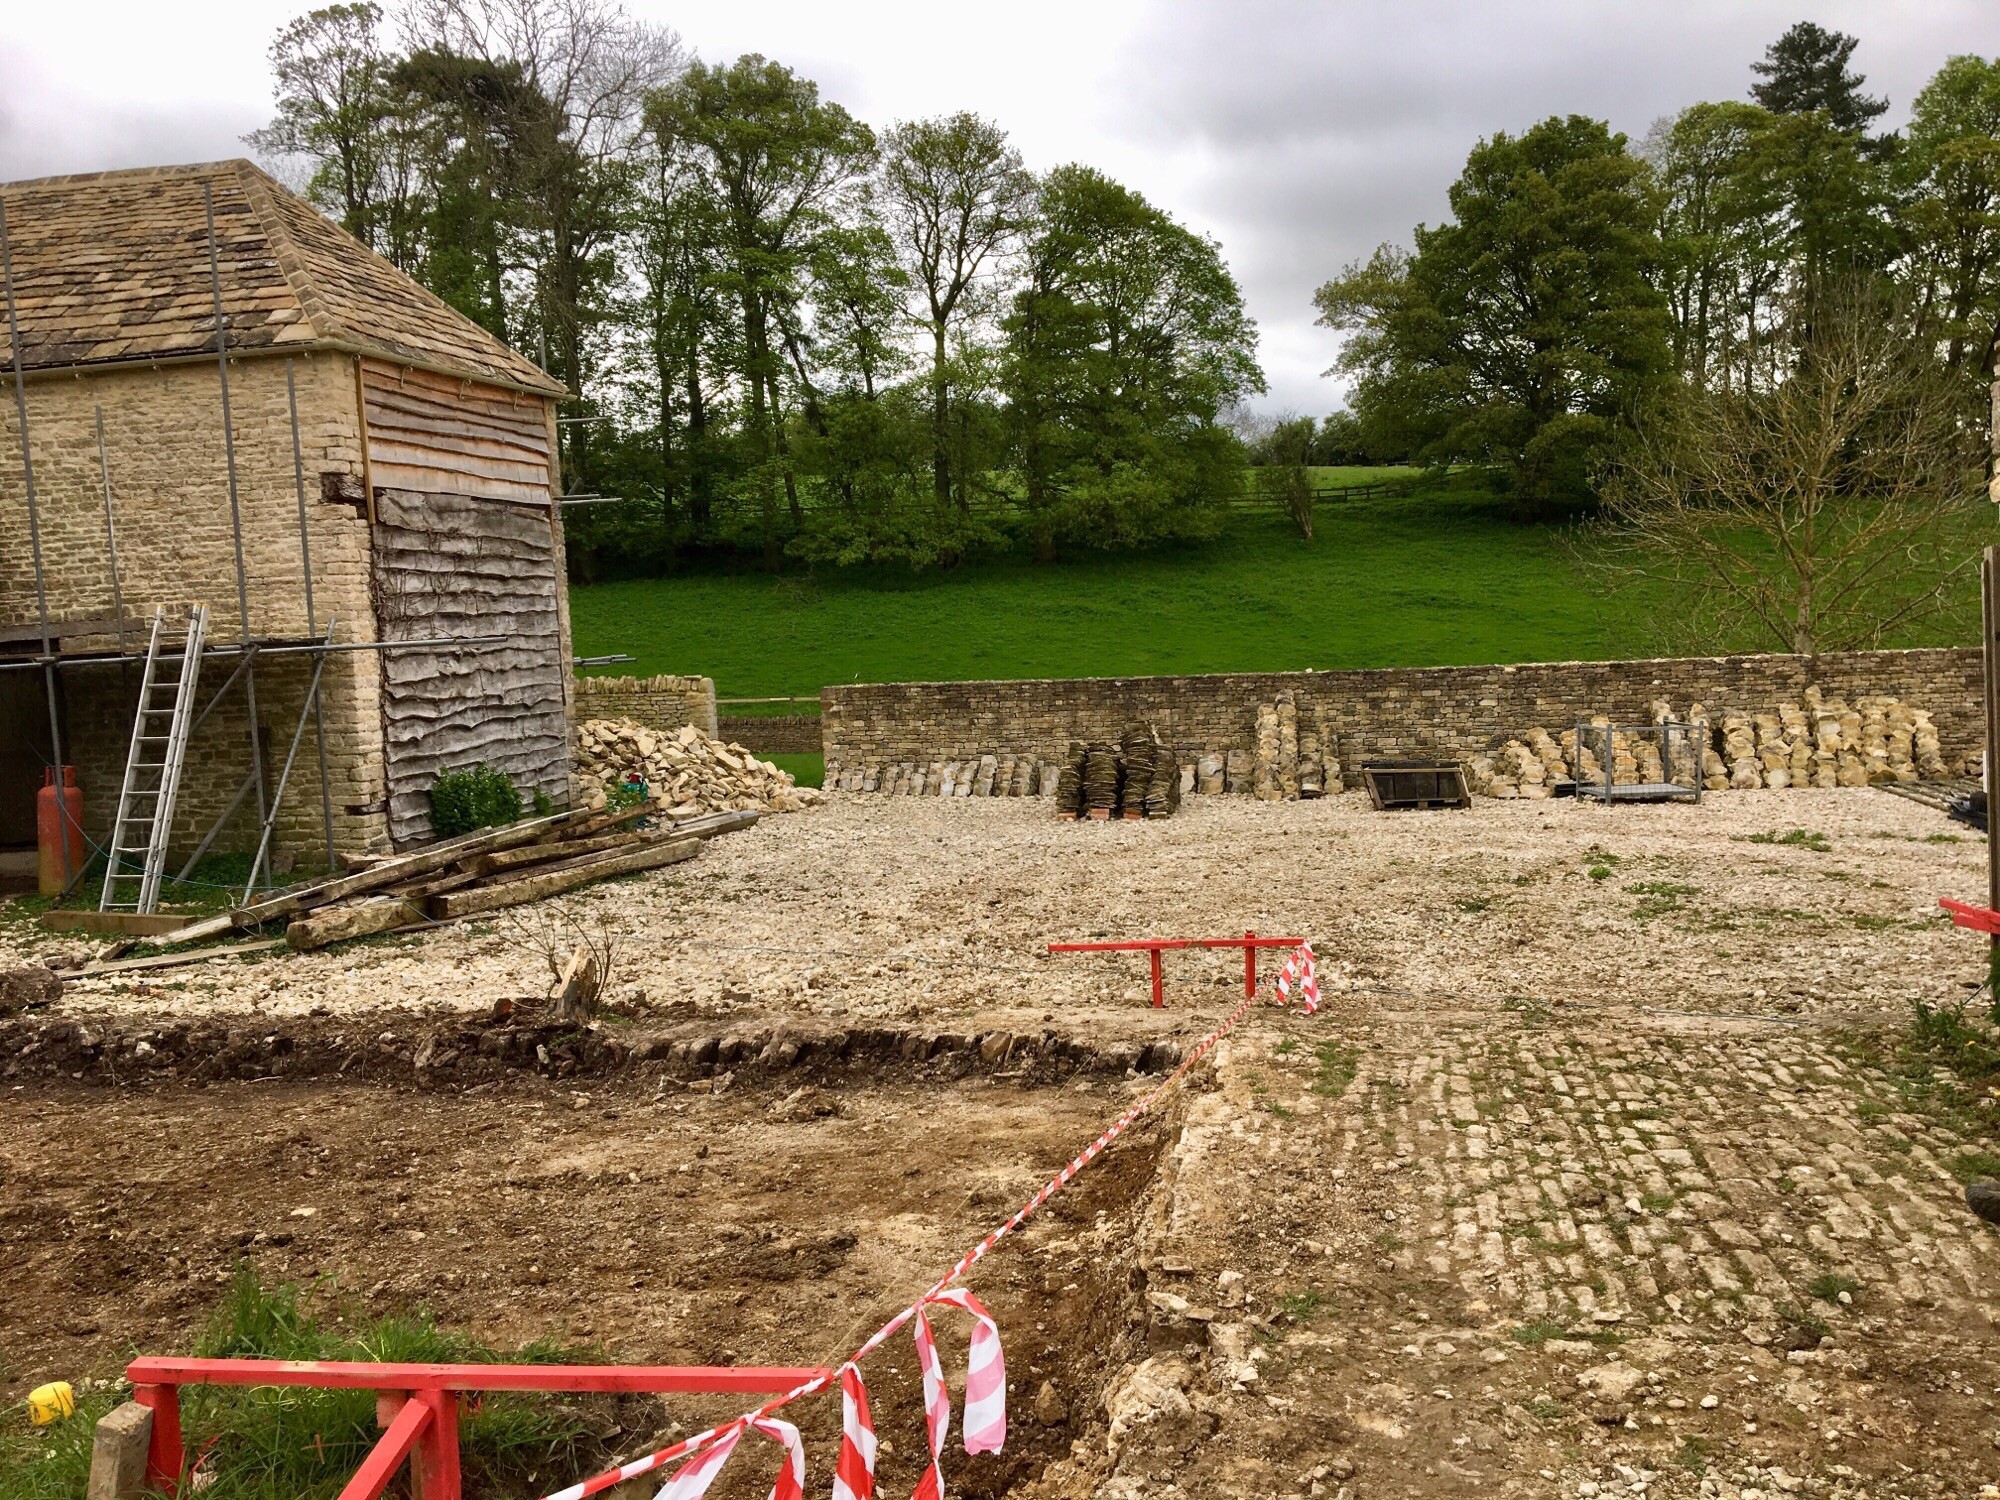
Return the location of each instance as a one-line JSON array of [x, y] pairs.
[[48, 1403]]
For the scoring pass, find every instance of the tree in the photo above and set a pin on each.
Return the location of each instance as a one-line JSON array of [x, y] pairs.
[[1951, 173], [777, 160], [339, 112], [1284, 475], [1805, 71], [549, 97], [1824, 513], [955, 196], [1527, 331], [1127, 340]]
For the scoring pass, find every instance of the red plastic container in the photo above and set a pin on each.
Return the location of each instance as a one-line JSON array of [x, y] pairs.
[[59, 829]]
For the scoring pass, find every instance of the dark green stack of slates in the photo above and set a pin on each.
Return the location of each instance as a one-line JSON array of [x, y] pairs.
[[1069, 781], [1163, 794], [1100, 780], [1136, 770]]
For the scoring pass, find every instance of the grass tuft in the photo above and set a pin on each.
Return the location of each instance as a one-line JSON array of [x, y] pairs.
[[296, 1443]]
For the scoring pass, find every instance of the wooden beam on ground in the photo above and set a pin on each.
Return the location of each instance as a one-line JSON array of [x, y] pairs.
[[173, 960], [554, 882], [535, 854], [405, 867], [336, 924], [115, 923]]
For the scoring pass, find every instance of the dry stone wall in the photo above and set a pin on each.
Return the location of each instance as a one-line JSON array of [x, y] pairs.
[[774, 734], [1212, 721], [662, 703]]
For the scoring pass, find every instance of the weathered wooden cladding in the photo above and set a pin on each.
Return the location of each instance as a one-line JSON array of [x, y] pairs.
[[457, 567], [435, 435]]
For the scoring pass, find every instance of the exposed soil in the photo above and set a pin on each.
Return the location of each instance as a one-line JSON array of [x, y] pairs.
[[1596, 1177], [755, 1227]]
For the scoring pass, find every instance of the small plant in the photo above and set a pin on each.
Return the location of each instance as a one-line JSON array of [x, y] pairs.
[[1693, 1455], [1301, 1307], [1336, 1068], [1536, 1334], [1798, 838], [472, 797], [625, 794], [1545, 1407], [1599, 872], [1829, 1287], [544, 804], [1971, 1166]]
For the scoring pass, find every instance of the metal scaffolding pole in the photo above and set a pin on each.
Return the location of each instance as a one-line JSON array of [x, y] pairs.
[[235, 505], [35, 536], [312, 625], [110, 529]]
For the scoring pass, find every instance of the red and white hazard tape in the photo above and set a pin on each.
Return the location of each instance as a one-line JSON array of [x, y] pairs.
[[985, 1417], [1298, 970]]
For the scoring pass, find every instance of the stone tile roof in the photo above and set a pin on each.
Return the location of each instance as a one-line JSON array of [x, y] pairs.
[[113, 266]]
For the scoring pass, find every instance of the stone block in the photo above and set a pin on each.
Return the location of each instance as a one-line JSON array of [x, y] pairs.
[[118, 1453]]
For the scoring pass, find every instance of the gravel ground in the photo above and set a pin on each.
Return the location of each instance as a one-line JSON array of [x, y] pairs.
[[876, 907]]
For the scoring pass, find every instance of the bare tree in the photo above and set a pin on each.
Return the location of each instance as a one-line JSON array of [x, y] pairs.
[[954, 196], [1826, 512]]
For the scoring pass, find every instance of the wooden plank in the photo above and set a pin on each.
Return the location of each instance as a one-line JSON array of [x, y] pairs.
[[537, 854], [408, 866], [432, 885], [359, 919], [552, 883], [119, 923], [173, 960]]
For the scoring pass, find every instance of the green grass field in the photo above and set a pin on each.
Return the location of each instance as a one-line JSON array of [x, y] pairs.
[[1430, 580]]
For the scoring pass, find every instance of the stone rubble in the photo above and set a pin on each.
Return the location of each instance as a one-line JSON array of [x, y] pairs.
[[1291, 761], [1822, 743], [685, 772]]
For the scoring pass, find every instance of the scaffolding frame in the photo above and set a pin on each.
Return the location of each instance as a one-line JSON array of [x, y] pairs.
[[247, 649], [1602, 740]]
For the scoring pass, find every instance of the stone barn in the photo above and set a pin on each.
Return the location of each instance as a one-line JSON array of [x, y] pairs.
[[388, 475]]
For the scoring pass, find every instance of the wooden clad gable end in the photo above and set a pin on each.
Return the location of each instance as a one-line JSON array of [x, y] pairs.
[[434, 435]]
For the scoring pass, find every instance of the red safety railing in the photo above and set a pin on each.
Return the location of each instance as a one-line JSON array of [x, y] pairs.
[[417, 1405], [1964, 914], [1154, 947]]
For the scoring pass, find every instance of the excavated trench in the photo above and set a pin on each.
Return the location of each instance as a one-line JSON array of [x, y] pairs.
[[648, 1197]]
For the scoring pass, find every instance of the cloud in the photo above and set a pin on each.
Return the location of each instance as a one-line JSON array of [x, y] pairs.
[[1300, 133], [50, 126], [1323, 130]]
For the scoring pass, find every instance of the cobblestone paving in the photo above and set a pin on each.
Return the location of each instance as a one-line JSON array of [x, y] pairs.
[[1550, 1253]]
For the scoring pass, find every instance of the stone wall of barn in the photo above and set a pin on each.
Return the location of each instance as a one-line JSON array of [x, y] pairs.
[[163, 445]]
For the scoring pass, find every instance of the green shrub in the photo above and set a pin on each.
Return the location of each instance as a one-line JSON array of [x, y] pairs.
[[473, 797]]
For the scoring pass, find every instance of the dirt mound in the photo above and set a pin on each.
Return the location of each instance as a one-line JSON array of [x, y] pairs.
[[684, 772]]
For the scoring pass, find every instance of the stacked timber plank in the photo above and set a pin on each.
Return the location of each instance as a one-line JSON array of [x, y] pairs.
[[485, 871]]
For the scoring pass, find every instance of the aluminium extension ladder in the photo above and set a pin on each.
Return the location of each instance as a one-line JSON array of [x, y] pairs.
[[138, 853]]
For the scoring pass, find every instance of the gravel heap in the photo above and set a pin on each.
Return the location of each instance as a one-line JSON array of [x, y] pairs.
[[685, 772]]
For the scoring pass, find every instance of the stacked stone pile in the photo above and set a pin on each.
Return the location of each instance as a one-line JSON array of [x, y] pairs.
[[1822, 742], [1289, 762], [990, 775], [686, 772], [1139, 777]]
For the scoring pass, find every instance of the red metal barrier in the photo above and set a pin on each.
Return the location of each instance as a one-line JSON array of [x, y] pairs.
[[1964, 914], [417, 1405], [1154, 947]]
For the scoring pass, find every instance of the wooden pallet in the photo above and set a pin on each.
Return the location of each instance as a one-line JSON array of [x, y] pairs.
[[1415, 786]]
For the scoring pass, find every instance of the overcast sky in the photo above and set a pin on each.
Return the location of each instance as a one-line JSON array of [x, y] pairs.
[[1300, 135]]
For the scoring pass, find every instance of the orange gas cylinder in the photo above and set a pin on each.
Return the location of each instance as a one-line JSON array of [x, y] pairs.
[[59, 829]]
